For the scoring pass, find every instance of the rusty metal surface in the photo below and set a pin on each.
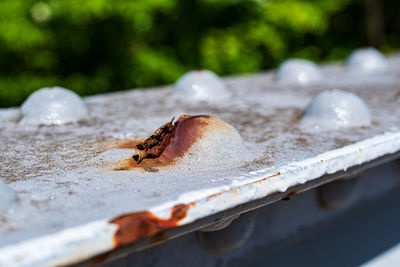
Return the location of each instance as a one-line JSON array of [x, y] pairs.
[[370, 190], [64, 179], [282, 227]]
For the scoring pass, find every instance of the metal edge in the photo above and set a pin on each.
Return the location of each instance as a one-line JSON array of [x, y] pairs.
[[260, 188]]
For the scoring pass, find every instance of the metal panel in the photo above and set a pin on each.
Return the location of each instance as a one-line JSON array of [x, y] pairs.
[[71, 201]]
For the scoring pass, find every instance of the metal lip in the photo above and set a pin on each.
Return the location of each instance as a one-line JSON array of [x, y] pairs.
[[80, 243]]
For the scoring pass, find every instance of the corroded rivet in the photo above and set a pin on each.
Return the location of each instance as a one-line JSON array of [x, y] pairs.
[[190, 143], [337, 193], [229, 238]]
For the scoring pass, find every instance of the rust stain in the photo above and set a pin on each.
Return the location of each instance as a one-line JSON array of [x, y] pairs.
[[271, 176], [276, 174], [359, 150], [154, 145], [166, 145], [138, 225], [127, 144], [187, 131], [99, 259], [262, 180], [214, 195], [288, 195], [234, 191]]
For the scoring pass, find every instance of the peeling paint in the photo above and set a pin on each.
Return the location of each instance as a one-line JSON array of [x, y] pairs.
[[138, 225], [189, 139], [183, 134]]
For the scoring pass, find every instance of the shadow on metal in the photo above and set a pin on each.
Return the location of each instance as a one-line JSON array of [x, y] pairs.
[[338, 193], [229, 238]]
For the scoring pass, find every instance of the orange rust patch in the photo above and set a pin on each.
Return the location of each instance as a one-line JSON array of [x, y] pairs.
[[214, 195], [188, 129], [359, 150], [127, 144], [154, 145], [265, 178], [172, 145], [276, 174], [138, 225]]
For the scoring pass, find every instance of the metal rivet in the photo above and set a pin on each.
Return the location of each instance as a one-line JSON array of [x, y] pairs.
[[299, 72], [234, 235], [53, 105], [367, 60], [335, 109], [200, 85], [337, 193]]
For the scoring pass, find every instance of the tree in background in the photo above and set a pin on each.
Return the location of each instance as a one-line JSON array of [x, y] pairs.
[[96, 46]]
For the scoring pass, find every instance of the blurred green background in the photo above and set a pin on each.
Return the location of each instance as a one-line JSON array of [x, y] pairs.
[[96, 46]]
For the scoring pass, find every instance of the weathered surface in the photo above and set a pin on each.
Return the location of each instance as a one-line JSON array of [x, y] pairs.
[[154, 145], [59, 175], [190, 139], [138, 225]]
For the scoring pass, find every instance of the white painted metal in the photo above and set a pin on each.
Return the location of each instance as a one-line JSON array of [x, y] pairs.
[[391, 257], [68, 193]]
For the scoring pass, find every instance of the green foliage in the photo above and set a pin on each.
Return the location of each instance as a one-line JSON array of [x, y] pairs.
[[96, 46]]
